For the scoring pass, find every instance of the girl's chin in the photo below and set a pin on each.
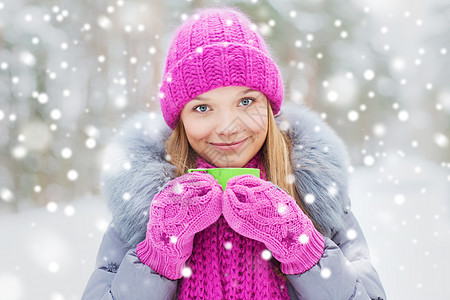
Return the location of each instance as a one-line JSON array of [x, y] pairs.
[[231, 161]]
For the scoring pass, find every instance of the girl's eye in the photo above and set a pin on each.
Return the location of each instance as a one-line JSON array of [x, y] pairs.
[[201, 108], [204, 108], [247, 101]]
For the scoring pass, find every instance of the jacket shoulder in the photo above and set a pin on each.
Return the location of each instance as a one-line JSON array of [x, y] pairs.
[[135, 168]]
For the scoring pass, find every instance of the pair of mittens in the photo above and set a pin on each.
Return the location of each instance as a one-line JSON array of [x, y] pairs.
[[253, 207]]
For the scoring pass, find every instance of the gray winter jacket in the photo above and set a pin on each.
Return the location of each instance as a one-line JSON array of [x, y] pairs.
[[136, 169]]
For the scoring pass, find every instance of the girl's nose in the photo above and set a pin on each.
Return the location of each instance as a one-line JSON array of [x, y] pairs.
[[227, 124]]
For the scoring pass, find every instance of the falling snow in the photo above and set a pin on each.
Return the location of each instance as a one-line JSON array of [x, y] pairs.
[[310, 198], [282, 208], [266, 254], [303, 238], [186, 272], [351, 234], [228, 245], [383, 91], [178, 188], [325, 273]]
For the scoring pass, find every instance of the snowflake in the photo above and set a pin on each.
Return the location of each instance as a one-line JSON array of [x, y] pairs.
[[186, 272], [325, 273], [266, 254], [228, 245], [351, 234], [303, 238]]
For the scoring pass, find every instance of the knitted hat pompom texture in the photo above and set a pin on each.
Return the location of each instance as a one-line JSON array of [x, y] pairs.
[[217, 47]]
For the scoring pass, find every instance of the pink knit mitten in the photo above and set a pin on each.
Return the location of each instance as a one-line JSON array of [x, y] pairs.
[[260, 210], [188, 204]]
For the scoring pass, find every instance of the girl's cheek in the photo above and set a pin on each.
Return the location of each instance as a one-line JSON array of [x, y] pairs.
[[256, 117], [199, 129], [256, 123]]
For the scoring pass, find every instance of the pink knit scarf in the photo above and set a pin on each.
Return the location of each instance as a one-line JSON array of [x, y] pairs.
[[226, 265]]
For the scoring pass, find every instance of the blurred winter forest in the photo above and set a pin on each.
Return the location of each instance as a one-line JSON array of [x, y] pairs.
[[72, 71]]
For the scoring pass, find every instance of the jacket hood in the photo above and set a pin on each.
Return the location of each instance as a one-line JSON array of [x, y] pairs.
[[136, 168]]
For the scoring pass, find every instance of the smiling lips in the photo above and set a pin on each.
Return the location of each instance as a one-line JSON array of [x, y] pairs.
[[229, 146]]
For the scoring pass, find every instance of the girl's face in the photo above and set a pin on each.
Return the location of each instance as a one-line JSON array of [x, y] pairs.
[[226, 126]]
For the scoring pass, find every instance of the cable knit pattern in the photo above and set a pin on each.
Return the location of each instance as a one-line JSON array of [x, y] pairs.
[[262, 211], [186, 205], [227, 265], [212, 49]]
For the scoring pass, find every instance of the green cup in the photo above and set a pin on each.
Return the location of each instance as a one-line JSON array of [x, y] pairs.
[[224, 174]]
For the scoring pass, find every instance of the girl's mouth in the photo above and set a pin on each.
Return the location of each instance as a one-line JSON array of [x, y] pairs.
[[229, 146]]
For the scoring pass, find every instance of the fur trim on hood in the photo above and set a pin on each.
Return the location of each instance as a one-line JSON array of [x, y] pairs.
[[135, 169]]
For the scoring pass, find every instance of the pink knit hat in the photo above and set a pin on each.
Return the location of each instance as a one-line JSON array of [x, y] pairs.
[[217, 47]]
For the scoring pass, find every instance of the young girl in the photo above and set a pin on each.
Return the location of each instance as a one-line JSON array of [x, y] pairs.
[[289, 234]]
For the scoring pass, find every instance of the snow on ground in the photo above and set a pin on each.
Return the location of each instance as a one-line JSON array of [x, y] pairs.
[[49, 253], [404, 213]]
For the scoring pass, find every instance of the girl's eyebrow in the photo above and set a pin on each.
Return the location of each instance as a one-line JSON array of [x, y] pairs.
[[200, 98]]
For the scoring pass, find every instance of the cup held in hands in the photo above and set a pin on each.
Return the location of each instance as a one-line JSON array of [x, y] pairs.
[[224, 174]]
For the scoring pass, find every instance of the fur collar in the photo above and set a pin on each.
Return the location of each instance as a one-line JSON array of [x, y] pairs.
[[135, 169]]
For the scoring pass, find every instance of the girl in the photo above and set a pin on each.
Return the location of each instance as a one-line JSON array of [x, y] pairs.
[[289, 234]]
